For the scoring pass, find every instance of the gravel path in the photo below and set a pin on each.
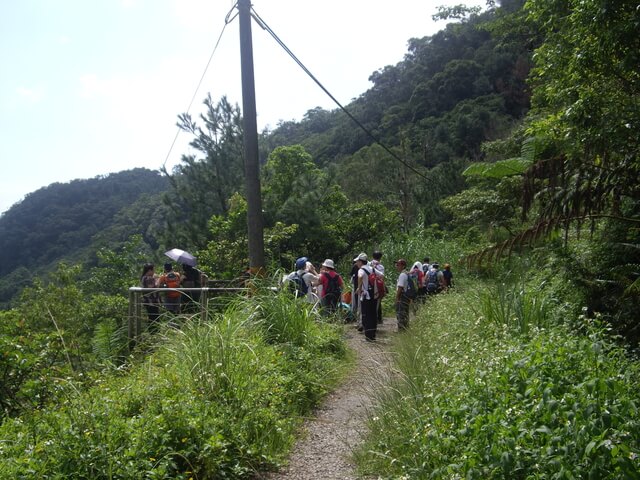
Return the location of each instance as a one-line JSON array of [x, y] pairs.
[[328, 438]]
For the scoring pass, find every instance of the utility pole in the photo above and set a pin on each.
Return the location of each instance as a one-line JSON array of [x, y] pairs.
[[251, 164]]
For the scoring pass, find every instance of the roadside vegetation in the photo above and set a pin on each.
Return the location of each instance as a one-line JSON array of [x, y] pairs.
[[502, 378], [220, 399], [517, 128]]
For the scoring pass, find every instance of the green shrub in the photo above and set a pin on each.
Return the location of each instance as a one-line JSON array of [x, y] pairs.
[[217, 399], [476, 400]]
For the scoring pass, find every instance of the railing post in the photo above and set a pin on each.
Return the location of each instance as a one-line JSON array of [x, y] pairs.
[[131, 320], [138, 314], [204, 302]]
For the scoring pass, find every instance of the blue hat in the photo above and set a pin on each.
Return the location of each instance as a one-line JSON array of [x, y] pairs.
[[301, 263]]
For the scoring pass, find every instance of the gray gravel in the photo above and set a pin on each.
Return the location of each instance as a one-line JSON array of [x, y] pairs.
[[327, 439]]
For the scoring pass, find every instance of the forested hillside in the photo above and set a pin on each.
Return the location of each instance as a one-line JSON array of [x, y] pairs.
[[70, 221], [508, 147]]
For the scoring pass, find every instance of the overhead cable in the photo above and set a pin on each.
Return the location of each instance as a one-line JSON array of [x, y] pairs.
[[266, 27], [227, 20]]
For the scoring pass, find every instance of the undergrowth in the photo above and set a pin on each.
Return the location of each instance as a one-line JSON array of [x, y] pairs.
[[215, 399], [489, 388]]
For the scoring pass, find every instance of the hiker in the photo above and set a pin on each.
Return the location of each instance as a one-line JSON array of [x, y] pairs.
[[150, 300], [355, 301], [405, 290], [435, 280], [447, 275], [366, 293], [191, 278], [303, 279], [170, 279], [382, 290], [418, 272], [331, 283], [426, 265]]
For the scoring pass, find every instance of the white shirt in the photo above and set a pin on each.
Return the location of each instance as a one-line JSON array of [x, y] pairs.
[[403, 281], [379, 268], [363, 272], [308, 278]]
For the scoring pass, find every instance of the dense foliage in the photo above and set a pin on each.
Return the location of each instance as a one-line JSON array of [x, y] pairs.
[[69, 222], [489, 387], [215, 400], [520, 373]]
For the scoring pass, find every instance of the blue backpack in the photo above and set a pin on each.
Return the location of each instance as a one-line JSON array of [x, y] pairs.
[[298, 286], [411, 291], [432, 281]]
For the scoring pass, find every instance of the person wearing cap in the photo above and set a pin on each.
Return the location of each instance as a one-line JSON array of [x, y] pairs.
[[306, 274], [402, 301], [435, 280], [447, 275], [366, 295], [331, 283]]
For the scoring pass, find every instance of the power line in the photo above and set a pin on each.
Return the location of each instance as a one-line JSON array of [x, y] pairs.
[[266, 27], [227, 20]]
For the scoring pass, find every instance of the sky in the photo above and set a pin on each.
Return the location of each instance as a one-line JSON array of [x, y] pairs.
[[92, 87]]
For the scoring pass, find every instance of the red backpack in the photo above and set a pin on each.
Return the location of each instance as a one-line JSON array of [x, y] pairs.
[[382, 290], [373, 282]]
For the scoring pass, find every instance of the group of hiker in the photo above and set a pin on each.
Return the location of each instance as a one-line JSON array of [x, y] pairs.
[[171, 300], [368, 287], [361, 302]]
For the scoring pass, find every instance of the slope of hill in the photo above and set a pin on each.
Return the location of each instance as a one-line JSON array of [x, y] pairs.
[[60, 221]]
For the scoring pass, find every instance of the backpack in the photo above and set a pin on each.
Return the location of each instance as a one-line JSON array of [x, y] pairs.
[[382, 289], [373, 287], [432, 281], [172, 280], [298, 286], [333, 287], [411, 291]]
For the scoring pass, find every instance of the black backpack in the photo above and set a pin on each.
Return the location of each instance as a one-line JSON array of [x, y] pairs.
[[333, 286]]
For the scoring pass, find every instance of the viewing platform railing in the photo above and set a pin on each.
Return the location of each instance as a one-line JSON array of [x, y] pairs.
[[136, 315]]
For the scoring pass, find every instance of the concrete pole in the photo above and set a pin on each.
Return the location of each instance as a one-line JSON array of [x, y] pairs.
[[251, 163]]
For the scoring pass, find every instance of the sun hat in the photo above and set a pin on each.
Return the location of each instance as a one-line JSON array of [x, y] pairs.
[[362, 257], [301, 263], [329, 264]]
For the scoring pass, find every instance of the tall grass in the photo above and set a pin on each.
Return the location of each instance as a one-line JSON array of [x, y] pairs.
[[474, 398], [215, 399], [515, 307]]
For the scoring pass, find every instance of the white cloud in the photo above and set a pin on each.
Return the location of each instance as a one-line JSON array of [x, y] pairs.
[[32, 95]]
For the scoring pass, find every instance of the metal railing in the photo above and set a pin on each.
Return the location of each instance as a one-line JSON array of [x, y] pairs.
[[135, 316]]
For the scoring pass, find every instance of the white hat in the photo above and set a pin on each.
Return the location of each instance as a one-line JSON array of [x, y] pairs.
[[362, 257], [417, 265], [328, 263]]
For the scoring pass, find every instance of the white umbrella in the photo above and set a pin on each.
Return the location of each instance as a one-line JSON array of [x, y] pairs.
[[181, 256]]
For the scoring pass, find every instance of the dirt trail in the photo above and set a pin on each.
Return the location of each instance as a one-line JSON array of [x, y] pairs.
[[337, 425]]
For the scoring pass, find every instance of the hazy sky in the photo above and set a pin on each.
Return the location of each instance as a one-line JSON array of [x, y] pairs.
[[91, 87]]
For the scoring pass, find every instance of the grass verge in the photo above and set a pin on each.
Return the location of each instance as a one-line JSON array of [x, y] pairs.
[[220, 399], [485, 392]]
